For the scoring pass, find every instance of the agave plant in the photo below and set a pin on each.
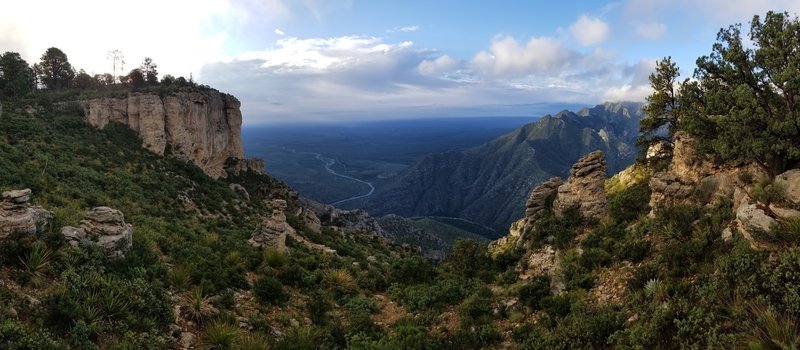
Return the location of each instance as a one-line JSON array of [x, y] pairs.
[[36, 262]]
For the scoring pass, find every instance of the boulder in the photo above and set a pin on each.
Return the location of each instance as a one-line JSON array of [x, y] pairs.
[[754, 218], [272, 231], [17, 215], [790, 182], [104, 226], [585, 187]]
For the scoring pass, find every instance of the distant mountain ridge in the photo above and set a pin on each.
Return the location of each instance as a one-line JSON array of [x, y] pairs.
[[488, 184]]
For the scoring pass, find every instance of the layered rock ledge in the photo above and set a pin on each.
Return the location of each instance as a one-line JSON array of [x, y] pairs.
[[203, 127]]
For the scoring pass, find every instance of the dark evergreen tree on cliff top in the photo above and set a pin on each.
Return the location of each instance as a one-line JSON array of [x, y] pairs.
[[16, 77], [54, 70], [745, 101]]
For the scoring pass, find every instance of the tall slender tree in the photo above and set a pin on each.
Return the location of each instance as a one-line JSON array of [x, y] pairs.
[[662, 109]]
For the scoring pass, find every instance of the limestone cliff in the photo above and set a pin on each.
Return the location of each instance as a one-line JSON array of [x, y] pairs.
[[203, 127]]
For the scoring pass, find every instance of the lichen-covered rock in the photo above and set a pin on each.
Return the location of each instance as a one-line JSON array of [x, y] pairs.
[[104, 226], [17, 215], [203, 127], [272, 231], [585, 187]]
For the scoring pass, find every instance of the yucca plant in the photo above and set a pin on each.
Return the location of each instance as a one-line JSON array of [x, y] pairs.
[[772, 329], [179, 277], [220, 336], [341, 281], [253, 341], [196, 306]]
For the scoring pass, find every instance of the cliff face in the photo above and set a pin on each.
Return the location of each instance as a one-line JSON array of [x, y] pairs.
[[203, 127]]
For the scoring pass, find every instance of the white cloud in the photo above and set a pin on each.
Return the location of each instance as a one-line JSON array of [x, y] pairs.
[[409, 29], [651, 30], [317, 55], [279, 32], [507, 57], [627, 93], [589, 30], [437, 66]]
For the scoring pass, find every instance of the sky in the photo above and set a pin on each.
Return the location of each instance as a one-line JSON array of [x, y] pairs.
[[330, 60]]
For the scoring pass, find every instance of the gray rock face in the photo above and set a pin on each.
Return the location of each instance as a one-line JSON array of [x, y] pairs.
[[17, 215], [790, 182], [203, 127], [585, 187], [272, 231], [537, 202], [104, 226]]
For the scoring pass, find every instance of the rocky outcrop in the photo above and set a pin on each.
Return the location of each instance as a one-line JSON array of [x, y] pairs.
[[17, 215], [790, 183], [537, 202], [272, 231], [585, 190], [203, 127], [104, 226], [344, 220], [585, 187], [236, 166]]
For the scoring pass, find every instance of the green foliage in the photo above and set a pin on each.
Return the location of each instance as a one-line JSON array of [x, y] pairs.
[[275, 258], [469, 259], [782, 280], [269, 291], [411, 270], [17, 79], [107, 303], [743, 102], [14, 336], [532, 293], [447, 290], [662, 109], [220, 336], [477, 308], [630, 202], [772, 329], [562, 229], [54, 69]]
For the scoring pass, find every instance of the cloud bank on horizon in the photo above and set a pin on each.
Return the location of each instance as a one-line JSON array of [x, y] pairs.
[[349, 59]]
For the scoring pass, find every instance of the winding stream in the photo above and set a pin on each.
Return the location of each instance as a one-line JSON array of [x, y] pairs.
[[330, 162]]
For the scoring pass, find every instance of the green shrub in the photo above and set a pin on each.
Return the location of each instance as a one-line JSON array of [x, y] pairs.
[[269, 291], [15, 336], [275, 258], [594, 257], [411, 270], [630, 202], [476, 309], [532, 293], [221, 336]]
